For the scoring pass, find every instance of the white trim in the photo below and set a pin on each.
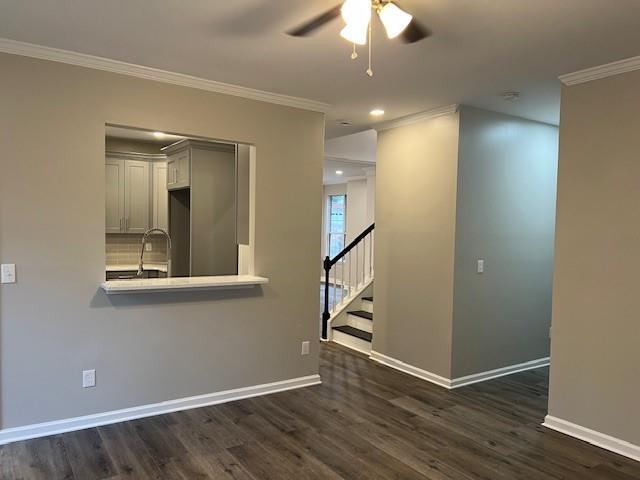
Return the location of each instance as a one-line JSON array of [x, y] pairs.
[[351, 342], [410, 369], [153, 157], [460, 381], [593, 437], [350, 160], [100, 63], [417, 117], [15, 434], [348, 301], [499, 372], [601, 71]]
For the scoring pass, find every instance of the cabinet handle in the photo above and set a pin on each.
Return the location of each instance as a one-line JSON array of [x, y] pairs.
[[120, 223], [126, 224]]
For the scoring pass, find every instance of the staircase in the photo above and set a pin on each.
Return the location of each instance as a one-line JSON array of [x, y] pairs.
[[357, 331], [347, 316]]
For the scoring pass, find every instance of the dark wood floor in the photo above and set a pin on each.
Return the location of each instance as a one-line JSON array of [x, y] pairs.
[[364, 422]]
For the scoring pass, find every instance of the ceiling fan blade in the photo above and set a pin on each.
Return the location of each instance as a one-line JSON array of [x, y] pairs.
[[309, 27], [414, 32]]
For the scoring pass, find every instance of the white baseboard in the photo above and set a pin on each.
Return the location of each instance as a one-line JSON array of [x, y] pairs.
[[15, 434], [593, 437], [460, 381], [410, 369], [499, 372]]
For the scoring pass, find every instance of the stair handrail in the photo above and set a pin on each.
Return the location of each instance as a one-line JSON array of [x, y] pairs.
[[329, 263]]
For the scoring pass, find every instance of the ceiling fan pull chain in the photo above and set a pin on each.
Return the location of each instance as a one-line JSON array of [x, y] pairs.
[[354, 55], [370, 70]]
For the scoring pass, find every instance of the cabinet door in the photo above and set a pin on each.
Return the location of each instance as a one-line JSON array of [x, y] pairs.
[[184, 169], [160, 197], [114, 175], [171, 173], [136, 196], [179, 170]]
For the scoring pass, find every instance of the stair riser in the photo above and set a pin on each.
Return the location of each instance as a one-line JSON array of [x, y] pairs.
[[367, 306], [360, 323], [352, 342]]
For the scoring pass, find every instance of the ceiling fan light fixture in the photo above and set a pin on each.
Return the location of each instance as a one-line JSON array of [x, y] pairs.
[[356, 12], [355, 33], [394, 19], [357, 15]]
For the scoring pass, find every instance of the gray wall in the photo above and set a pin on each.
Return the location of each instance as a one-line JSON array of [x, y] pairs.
[[416, 176], [55, 321], [507, 171], [451, 190], [595, 348], [213, 212]]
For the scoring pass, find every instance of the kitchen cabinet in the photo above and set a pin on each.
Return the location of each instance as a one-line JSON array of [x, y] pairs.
[[128, 201], [114, 175], [136, 196], [159, 196], [178, 167]]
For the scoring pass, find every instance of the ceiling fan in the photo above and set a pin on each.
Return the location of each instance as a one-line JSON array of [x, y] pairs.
[[357, 15]]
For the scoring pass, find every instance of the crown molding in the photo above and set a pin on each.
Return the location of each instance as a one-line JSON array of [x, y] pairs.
[[355, 161], [418, 117], [136, 156], [602, 71], [100, 63]]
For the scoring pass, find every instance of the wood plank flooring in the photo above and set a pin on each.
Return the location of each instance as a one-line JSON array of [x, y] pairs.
[[365, 421]]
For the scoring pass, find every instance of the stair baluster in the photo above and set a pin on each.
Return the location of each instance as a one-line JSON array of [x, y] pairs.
[[329, 264]]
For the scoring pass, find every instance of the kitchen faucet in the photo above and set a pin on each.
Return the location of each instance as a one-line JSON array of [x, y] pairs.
[[144, 241]]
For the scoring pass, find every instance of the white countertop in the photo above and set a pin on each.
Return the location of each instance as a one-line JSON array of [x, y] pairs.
[[152, 285], [160, 267]]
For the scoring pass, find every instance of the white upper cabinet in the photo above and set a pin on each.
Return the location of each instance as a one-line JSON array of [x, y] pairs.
[[160, 196], [178, 165], [114, 174], [136, 192], [136, 196]]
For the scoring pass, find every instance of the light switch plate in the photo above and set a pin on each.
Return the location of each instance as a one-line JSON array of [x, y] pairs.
[[88, 378], [305, 348], [148, 247], [480, 266], [8, 273]]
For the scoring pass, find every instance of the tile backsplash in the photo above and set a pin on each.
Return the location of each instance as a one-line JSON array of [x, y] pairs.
[[124, 249]]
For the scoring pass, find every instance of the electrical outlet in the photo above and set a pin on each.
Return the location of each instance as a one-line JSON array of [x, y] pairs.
[[88, 378], [480, 266], [305, 348], [8, 273], [148, 246]]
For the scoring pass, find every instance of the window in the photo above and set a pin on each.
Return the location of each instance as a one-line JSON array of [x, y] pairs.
[[337, 224]]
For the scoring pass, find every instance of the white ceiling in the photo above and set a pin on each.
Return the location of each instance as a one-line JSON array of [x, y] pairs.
[[146, 136], [479, 48], [360, 147], [350, 171]]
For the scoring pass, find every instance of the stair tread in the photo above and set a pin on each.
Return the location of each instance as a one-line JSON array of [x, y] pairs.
[[354, 332], [361, 313], [368, 299]]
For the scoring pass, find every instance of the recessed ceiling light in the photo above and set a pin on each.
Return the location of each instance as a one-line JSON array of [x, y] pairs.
[[158, 134], [376, 112], [344, 122], [339, 172]]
